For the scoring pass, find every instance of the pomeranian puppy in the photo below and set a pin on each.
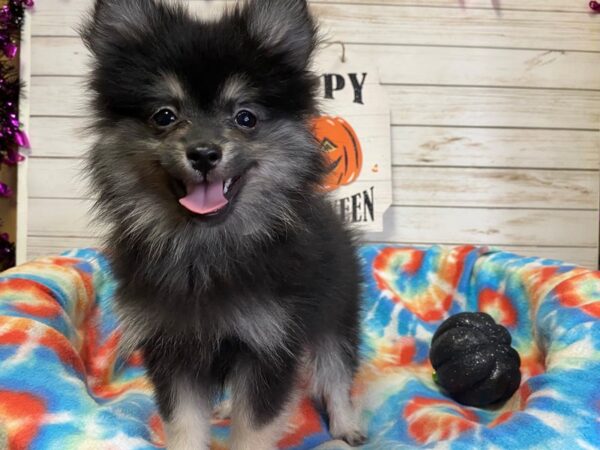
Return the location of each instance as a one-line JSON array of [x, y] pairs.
[[233, 270]]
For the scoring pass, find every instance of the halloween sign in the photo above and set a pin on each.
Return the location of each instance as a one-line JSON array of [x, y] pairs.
[[354, 133]]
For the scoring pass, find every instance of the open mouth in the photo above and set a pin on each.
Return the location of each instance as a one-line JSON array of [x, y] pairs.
[[210, 198]]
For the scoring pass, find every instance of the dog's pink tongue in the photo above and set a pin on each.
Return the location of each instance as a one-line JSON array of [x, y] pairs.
[[204, 198]]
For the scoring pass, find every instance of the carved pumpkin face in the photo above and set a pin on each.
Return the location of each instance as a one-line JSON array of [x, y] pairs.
[[342, 149]]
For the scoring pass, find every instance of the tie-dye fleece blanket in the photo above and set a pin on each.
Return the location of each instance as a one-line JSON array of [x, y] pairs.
[[62, 386]]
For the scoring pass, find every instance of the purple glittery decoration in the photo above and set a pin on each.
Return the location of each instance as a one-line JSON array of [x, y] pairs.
[[5, 190], [12, 158], [22, 139], [11, 134], [5, 14], [10, 50], [12, 137]]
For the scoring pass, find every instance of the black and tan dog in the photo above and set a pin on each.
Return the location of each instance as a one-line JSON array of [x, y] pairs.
[[233, 269]]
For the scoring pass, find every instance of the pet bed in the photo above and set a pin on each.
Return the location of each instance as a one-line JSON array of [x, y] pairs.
[[62, 385]]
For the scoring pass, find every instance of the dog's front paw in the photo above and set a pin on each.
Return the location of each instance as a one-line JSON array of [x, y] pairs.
[[353, 438]]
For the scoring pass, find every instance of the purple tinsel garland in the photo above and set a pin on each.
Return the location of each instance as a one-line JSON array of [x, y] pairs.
[[11, 135]]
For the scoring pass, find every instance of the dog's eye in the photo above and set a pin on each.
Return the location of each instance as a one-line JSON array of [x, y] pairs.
[[246, 119], [164, 117]]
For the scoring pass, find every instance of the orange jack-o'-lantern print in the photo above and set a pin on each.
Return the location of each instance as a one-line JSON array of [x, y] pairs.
[[342, 149]]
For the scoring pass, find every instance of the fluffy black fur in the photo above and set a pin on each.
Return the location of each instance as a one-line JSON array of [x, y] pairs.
[[252, 295]]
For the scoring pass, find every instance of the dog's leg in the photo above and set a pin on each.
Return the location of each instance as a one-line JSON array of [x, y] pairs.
[[187, 426], [183, 401], [185, 409], [264, 397], [333, 368], [344, 420]]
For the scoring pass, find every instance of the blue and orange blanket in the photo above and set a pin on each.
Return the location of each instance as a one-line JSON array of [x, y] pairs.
[[62, 385]]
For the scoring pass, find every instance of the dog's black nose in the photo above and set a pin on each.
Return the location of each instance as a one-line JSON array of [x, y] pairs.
[[204, 158]]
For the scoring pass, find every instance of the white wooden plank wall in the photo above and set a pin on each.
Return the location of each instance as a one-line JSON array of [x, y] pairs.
[[496, 118]]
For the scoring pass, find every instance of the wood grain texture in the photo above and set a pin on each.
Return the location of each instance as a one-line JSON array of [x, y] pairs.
[[64, 17], [418, 186], [70, 218], [407, 64], [396, 24], [411, 105], [460, 27], [401, 64], [494, 107], [40, 246], [499, 6], [503, 5], [59, 56], [60, 178], [489, 226], [496, 147], [58, 96], [426, 186], [59, 137], [530, 5], [60, 218]]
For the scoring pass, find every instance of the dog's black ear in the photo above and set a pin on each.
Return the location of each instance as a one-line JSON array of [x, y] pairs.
[[113, 20], [283, 26], [113, 23]]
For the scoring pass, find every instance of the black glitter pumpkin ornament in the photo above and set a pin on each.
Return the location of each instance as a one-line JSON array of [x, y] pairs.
[[473, 360]]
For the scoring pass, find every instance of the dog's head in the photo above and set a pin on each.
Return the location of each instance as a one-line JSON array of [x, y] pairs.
[[202, 123]]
